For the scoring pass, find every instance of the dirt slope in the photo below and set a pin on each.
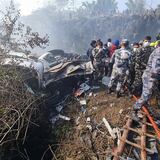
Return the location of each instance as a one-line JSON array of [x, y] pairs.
[[86, 138]]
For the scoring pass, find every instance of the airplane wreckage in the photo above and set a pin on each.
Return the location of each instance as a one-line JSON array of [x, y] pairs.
[[50, 67]]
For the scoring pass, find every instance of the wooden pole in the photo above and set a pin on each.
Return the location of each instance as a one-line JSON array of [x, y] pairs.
[[140, 133], [119, 150], [136, 145], [143, 140]]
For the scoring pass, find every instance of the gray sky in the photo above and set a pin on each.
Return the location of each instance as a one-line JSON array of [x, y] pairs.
[[27, 6]]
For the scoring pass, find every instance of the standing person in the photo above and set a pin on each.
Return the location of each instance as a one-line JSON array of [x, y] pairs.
[[134, 50], [89, 51], [99, 59], [140, 43], [136, 70], [140, 60], [109, 43], [158, 37], [121, 62], [153, 44], [150, 76], [107, 58], [115, 45]]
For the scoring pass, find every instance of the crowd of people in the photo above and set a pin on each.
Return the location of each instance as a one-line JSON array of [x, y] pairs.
[[134, 68]]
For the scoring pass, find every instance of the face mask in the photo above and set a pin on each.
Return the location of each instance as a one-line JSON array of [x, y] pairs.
[[145, 44]]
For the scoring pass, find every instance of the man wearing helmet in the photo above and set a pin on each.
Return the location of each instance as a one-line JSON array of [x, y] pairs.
[[121, 61]]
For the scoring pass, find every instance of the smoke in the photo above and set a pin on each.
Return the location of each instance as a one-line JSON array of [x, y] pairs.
[[72, 30]]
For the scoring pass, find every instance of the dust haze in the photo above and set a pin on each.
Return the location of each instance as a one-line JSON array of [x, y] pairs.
[[71, 24]]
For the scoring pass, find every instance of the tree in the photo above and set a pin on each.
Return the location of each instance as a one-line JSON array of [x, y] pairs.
[[106, 6], [101, 7], [15, 35], [61, 4], [88, 8], [158, 10], [17, 105], [135, 6]]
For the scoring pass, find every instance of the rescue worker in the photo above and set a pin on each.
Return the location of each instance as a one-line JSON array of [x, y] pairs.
[[121, 61], [158, 37], [150, 76], [153, 44], [134, 50], [107, 58], [99, 59], [136, 67], [141, 57], [115, 45], [140, 43], [89, 51]]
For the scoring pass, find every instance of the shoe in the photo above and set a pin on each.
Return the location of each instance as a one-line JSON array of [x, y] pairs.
[[130, 95], [109, 90], [137, 106], [118, 94]]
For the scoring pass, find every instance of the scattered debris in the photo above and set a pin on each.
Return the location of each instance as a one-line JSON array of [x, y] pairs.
[[64, 117], [83, 102], [109, 128], [90, 94], [83, 109], [121, 111], [95, 87], [89, 127], [94, 108], [77, 121], [111, 104], [85, 87], [105, 80], [94, 137], [95, 95], [153, 145], [54, 119], [82, 89], [119, 151], [117, 132], [88, 120], [59, 108], [135, 153]]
